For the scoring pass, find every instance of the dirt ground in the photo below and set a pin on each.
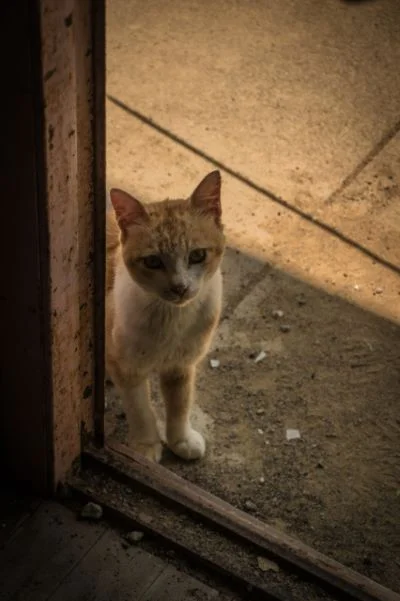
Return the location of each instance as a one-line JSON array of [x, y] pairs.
[[334, 377], [298, 107]]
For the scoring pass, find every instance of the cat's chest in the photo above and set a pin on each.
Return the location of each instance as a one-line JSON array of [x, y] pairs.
[[164, 338]]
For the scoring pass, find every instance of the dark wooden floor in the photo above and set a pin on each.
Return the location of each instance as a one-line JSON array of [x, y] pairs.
[[53, 556]]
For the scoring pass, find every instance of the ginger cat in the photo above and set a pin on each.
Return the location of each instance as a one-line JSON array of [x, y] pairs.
[[163, 302]]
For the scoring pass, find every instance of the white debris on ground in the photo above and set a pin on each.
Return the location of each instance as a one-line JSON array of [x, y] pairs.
[[214, 363], [134, 537], [292, 434], [277, 313], [266, 565], [91, 511], [261, 355]]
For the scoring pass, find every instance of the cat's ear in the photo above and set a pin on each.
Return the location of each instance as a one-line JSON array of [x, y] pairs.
[[207, 196], [128, 210]]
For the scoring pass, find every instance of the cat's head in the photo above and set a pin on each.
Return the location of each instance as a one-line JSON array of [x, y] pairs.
[[171, 248]]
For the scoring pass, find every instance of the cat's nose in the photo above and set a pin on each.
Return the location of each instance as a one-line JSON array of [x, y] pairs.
[[179, 289]]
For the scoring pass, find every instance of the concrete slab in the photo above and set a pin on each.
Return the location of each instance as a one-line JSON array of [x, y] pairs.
[[153, 167], [368, 209], [292, 96]]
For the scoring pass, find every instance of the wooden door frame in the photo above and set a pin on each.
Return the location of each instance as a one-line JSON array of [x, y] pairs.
[[52, 289], [52, 313]]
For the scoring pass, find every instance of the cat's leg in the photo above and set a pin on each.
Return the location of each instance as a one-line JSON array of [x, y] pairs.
[[177, 388], [143, 432]]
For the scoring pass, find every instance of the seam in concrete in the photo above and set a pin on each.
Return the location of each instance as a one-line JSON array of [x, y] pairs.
[[364, 162], [261, 190]]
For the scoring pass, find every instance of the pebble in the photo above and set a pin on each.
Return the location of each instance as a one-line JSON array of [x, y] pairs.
[[260, 431], [285, 327], [301, 301], [134, 537], [260, 411], [92, 511], [292, 434], [250, 506], [277, 313], [266, 565], [260, 357], [378, 290], [262, 480], [214, 363]]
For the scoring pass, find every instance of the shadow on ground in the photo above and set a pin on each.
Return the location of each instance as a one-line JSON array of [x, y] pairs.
[[330, 371]]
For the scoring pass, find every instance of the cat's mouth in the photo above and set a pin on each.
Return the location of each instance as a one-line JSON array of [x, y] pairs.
[[179, 301]]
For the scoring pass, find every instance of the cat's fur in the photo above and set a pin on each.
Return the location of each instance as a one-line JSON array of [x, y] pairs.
[[162, 319]]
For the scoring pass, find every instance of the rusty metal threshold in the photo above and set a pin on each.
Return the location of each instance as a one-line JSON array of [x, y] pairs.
[[242, 534]]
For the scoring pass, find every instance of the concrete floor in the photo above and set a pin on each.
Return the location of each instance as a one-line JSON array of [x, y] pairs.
[[298, 104], [301, 98]]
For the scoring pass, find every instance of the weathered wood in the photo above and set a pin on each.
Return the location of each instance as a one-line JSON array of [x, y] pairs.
[[108, 572], [42, 552], [74, 213], [274, 542], [254, 591], [173, 585], [25, 387], [56, 557], [99, 207]]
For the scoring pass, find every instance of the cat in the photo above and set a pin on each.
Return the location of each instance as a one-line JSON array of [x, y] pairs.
[[163, 303]]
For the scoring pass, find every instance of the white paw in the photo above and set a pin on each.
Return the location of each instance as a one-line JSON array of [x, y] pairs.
[[152, 451], [193, 446]]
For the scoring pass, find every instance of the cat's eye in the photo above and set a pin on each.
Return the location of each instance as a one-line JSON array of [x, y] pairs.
[[197, 256], [153, 262]]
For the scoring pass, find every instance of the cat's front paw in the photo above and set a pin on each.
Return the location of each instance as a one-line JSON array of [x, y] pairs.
[[152, 451], [192, 446]]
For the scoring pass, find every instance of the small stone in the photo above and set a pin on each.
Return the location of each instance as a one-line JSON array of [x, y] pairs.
[[266, 565], [292, 434], [260, 431], [356, 287], [262, 480], [320, 465], [250, 506], [261, 355], [277, 313], [121, 414], [378, 290], [301, 301], [285, 327], [214, 363], [92, 511], [260, 411], [144, 517], [134, 537]]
